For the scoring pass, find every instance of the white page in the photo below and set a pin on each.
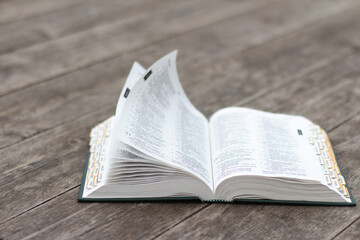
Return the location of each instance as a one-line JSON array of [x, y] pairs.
[[159, 120], [136, 72], [251, 142]]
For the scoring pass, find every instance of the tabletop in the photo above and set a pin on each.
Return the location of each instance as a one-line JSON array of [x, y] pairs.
[[62, 67]]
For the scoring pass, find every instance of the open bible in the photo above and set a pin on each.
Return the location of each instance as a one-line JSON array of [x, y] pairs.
[[158, 146]]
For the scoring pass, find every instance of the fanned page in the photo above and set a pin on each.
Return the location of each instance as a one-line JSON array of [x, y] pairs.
[[100, 138], [157, 119]]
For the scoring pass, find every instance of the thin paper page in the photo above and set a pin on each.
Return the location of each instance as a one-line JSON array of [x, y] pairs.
[[158, 120], [251, 142], [136, 72]]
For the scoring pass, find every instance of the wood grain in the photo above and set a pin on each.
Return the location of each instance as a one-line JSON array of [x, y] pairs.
[[56, 167], [352, 232], [45, 61], [81, 92], [252, 74], [53, 58], [12, 11]]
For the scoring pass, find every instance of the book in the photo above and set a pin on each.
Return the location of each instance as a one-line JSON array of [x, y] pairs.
[[158, 146]]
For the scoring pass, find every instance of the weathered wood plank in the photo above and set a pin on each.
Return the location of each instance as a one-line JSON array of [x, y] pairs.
[[65, 22], [53, 58], [59, 164], [12, 11], [267, 68], [42, 62], [338, 88], [321, 95], [82, 92]]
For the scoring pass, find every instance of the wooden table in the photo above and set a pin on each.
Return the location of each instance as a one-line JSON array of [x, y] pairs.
[[62, 67]]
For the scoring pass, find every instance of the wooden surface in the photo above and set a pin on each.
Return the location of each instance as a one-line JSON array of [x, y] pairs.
[[62, 66]]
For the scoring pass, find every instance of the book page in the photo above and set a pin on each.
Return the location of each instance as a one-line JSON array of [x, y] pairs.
[[158, 119], [251, 142], [136, 72]]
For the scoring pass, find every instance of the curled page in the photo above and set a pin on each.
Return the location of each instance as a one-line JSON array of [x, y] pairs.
[[159, 120], [135, 74]]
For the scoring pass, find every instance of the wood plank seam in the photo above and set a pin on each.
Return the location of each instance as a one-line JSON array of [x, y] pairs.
[[62, 220], [187, 217], [345, 121], [39, 204], [343, 230], [289, 82], [59, 125], [109, 22], [195, 213]]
